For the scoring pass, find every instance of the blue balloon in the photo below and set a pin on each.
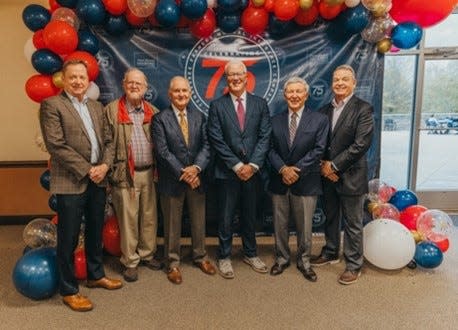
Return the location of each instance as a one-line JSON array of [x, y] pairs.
[[244, 4], [45, 179], [91, 11], [403, 198], [116, 25], [26, 249], [428, 255], [167, 13], [35, 17], [35, 274], [228, 22], [229, 6], [67, 3], [278, 28], [88, 42], [193, 9], [52, 202], [46, 62], [355, 19], [406, 35]]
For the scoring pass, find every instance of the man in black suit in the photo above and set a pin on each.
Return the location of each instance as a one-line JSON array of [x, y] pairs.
[[299, 138], [239, 133], [344, 171], [182, 153]]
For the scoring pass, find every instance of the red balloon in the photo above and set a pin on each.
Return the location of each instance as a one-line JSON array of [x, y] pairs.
[[115, 7], [442, 242], [55, 220], [330, 11], [204, 27], [254, 20], [111, 237], [269, 5], [183, 22], [89, 59], [38, 40], [408, 216], [133, 19], [308, 16], [60, 37], [39, 87], [80, 264], [285, 10], [53, 5], [424, 13]]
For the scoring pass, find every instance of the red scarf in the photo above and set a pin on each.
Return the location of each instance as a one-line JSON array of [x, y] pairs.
[[123, 118]]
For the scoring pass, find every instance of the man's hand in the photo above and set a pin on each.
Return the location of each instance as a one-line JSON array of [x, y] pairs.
[[290, 174], [245, 172], [328, 172], [190, 175], [97, 173]]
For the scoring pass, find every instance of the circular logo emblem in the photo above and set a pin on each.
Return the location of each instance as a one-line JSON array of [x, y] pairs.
[[204, 67]]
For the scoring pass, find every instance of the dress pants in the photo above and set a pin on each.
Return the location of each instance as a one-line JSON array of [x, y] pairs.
[[136, 210], [301, 210], [347, 208], [232, 193], [70, 209], [172, 210]]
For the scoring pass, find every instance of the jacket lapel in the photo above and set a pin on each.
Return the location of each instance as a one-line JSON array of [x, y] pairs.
[[230, 111], [345, 112], [69, 105]]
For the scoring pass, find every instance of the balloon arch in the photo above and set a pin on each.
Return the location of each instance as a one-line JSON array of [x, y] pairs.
[[60, 31]]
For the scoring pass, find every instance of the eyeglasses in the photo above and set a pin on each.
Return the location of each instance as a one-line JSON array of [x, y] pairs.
[[134, 83], [235, 74]]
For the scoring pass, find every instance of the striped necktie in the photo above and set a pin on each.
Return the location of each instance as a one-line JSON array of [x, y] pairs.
[[292, 128]]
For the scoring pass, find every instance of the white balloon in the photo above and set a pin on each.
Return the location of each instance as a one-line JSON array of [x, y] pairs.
[[388, 244], [93, 91], [352, 3], [29, 49]]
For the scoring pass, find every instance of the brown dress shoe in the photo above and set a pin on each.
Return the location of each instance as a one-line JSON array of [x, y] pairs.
[[130, 274], [206, 267], [152, 264], [349, 276], [77, 302], [104, 282], [174, 275]]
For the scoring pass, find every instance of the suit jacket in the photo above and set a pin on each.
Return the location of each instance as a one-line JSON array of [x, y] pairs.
[[348, 143], [68, 143], [305, 152], [172, 153], [229, 143]]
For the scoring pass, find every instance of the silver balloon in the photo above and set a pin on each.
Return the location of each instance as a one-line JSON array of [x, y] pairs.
[[66, 15], [377, 29], [142, 8], [40, 232]]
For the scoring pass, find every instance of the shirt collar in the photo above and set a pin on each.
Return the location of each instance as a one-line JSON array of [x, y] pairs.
[[175, 109], [342, 103], [299, 112], [234, 98], [131, 108], [75, 99]]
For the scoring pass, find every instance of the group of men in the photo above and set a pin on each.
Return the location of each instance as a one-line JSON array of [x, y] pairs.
[[141, 152]]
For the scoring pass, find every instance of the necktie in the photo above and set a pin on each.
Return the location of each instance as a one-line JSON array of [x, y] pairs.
[[184, 127], [240, 113], [292, 128]]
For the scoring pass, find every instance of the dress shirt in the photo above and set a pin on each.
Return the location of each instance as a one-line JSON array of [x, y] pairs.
[[142, 149]]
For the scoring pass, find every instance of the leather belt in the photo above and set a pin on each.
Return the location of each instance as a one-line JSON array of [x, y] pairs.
[[142, 168]]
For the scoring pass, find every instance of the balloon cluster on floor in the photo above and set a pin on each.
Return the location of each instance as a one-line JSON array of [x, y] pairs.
[[403, 232], [61, 32]]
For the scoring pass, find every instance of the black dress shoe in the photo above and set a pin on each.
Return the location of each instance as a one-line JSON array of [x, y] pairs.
[[308, 273], [277, 269]]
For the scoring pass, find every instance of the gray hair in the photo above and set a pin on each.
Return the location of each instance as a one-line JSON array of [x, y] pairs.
[[179, 78], [295, 80], [235, 62], [347, 68], [133, 69]]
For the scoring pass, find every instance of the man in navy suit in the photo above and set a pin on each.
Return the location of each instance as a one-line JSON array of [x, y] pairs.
[[182, 154], [299, 138], [344, 171], [239, 133]]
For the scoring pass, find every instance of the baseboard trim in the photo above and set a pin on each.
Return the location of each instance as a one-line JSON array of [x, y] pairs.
[[21, 219]]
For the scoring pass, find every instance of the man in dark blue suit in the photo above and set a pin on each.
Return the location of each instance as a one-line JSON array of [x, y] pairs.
[[182, 154], [344, 171], [299, 138], [239, 133]]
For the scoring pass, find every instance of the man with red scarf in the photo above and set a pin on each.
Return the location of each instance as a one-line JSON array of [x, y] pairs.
[[132, 175]]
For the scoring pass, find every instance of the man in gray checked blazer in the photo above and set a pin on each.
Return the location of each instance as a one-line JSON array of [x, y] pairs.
[[80, 144]]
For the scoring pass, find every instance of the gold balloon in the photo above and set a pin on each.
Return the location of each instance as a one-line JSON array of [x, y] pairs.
[[333, 2], [380, 9], [258, 3], [384, 45], [57, 79], [417, 236], [371, 206], [305, 4]]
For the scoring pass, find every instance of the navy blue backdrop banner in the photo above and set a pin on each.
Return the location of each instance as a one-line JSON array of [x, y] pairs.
[[311, 53]]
